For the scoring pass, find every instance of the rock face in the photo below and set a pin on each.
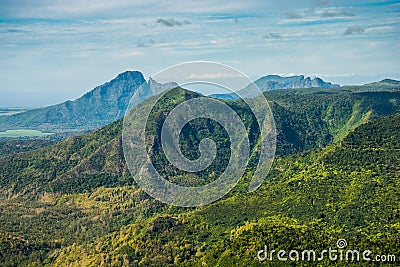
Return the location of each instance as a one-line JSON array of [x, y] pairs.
[[273, 82], [98, 107]]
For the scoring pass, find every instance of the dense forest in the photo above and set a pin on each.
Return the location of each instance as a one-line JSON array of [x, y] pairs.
[[336, 175], [10, 147]]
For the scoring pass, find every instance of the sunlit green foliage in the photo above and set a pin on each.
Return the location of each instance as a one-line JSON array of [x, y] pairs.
[[74, 203]]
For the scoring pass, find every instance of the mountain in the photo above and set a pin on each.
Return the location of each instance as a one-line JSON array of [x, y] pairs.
[[309, 202], [15, 146], [85, 162], [385, 82], [75, 203], [391, 81], [100, 106], [275, 82], [108, 102]]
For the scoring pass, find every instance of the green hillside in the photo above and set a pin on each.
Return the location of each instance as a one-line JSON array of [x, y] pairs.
[[11, 147], [310, 200], [85, 162], [75, 202]]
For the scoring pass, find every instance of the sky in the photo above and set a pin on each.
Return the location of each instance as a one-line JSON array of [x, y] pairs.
[[56, 50]]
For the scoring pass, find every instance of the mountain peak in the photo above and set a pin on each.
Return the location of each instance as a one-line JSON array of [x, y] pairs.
[[98, 107], [273, 82], [156, 87], [391, 81], [130, 75]]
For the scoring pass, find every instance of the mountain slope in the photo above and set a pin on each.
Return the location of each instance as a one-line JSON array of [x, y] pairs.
[[76, 202], [100, 106], [349, 190], [86, 162], [386, 82], [17, 146]]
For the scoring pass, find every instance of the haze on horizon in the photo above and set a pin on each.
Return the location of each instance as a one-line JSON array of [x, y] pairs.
[[52, 51]]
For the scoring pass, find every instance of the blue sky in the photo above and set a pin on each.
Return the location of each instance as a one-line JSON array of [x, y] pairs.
[[54, 50]]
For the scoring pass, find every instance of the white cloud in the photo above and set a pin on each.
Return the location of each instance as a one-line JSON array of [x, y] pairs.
[[115, 8], [103, 37], [353, 30], [212, 76]]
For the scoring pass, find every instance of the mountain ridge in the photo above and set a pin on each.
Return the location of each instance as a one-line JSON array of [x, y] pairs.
[[298, 129], [273, 82], [276, 82], [108, 102], [96, 108]]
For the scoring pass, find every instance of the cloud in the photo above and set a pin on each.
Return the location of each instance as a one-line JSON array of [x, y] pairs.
[[352, 30], [148, 25], [337, 13], [293, 15], [333, 75], [273, 35], [89, 9], [173, 22], [212, 76], [309, 11], [17, 31], [141, 44], [322, 2], [146, 43]]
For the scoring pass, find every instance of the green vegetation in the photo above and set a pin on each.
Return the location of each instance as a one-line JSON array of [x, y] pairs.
[[309, 200], [22, 133], [15, 146], [336, 176]]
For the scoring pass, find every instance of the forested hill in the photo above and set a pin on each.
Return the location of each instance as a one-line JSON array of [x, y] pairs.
[[86, 162], [91, 215], [309, 201]]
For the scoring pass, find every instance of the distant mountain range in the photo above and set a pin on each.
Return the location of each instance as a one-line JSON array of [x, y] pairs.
[[108, 102], [275, 82], [102, 105]]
